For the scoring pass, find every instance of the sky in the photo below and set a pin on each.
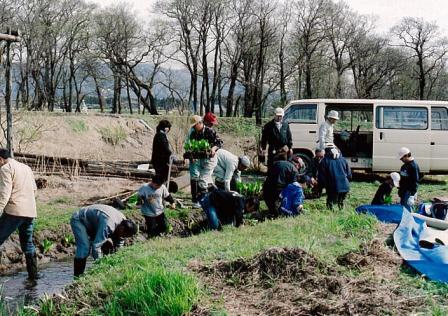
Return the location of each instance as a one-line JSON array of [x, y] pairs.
[[387, 12]]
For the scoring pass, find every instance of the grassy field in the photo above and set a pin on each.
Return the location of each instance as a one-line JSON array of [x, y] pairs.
[[154, 277]]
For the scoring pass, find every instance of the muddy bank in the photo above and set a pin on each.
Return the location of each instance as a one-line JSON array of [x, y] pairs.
[[289, 281]]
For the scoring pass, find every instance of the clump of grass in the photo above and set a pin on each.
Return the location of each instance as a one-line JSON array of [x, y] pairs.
[[157, 292], [78, 126], [47, 245], [113, 135]]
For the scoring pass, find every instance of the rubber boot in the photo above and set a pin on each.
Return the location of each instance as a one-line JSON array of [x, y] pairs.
[[79, 266], [194, 190], [31, 266]]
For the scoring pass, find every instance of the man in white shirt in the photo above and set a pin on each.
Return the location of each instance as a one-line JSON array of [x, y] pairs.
[[228, 169], [326, 130]]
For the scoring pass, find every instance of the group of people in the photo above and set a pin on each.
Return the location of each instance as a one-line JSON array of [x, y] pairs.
[[100, 229]]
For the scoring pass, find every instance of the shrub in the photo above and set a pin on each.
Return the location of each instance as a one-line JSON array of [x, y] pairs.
[[77, 125], [113, 135]]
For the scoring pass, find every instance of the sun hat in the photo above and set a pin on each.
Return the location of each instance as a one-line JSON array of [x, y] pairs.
[[403, 151], [395, 176], [333, 114], [195, 119], [279, 112]]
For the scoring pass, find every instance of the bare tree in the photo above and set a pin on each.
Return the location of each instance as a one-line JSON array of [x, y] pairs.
[[426, 47]]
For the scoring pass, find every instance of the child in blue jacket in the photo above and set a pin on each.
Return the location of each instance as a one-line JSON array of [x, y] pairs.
[[292, 197]]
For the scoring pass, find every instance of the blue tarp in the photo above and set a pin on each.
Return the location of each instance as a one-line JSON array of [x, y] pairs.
[[385, 213], [433, 263]]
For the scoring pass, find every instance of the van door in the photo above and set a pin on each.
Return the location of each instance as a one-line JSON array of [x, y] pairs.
[[400, 126], [302, 119], [439, 139]]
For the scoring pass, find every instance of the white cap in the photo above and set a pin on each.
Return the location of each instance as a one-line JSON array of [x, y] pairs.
[[333, 114], [403, 151], [279, 112], [244, 161], [395, 178]]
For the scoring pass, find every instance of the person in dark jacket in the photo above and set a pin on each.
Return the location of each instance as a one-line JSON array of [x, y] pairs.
[[275, 134], [201, 169], [409, 178], [385, 189], [312, 171], [282, 173], [161, 150], [227, 207], [334, 174]]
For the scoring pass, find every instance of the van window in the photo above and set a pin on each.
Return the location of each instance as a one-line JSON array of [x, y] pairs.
[[401, 117], [301, 113], [439, 118]]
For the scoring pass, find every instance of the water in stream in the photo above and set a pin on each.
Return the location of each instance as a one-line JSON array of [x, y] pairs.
[[17, 290]]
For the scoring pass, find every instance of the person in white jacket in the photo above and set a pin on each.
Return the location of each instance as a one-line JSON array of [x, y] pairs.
[[326, 130], [228, 169]]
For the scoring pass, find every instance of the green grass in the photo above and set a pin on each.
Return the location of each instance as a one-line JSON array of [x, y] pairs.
[[151, 278], [78, 126]]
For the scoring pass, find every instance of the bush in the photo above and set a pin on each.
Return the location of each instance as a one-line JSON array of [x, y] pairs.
[[113, 135], [77, 125]]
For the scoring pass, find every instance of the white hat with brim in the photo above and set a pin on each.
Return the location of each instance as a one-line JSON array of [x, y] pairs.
[[403, 151], [195, 119], [333, 115], [279, 112], [395, 176]]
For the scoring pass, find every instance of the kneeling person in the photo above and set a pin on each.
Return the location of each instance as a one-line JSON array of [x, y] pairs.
[[382, 195], [224, 207], [151, 196], [94, 226], [292, 197]]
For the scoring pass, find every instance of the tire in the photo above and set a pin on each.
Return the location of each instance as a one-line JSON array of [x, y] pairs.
[[306, 160]]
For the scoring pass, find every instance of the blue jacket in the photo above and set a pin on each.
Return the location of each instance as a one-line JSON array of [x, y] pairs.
[[334, 173], [292, 196]]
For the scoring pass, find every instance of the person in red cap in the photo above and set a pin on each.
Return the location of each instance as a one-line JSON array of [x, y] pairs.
[[210, 119]]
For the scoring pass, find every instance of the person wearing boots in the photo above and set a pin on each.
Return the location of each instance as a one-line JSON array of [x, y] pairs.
[[228, 169], [95, 227], [276, 134], [18, 206], [161, 150], [201, 169]]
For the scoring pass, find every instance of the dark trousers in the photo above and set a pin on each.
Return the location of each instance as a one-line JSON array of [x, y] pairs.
[[271, 196], [157, 225], [335, 198], [162, 170], [9, 224]]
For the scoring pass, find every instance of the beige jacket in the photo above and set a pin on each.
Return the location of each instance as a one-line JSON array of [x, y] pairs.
[[17, 189]]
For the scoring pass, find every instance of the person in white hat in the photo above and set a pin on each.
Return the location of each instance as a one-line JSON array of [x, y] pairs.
[[201, 169], [383, 194], [276, 134], [326, 130], [409, 178], [228, 169]]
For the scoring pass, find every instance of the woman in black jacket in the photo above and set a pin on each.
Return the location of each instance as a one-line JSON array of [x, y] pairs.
[[161, 150]]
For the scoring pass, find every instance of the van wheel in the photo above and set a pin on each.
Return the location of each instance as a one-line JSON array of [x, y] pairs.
[[306, 160]]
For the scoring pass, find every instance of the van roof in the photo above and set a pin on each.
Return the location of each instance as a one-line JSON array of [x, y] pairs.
[[370, 101]]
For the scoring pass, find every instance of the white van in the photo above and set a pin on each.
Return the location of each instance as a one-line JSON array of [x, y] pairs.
[[370, 132]]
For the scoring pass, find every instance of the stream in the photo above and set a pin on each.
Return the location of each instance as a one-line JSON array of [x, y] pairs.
[[17, 290]]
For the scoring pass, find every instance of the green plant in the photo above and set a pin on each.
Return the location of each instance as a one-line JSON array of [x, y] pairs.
[[197, 145], [113, 135], [77, 125], [133, 199], [47, 245], [249, 189], [69, 239]]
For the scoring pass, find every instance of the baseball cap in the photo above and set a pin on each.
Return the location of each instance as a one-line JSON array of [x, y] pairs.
[[210, 118]]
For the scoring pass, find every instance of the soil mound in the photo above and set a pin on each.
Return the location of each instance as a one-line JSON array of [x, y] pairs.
[[289, 281]]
